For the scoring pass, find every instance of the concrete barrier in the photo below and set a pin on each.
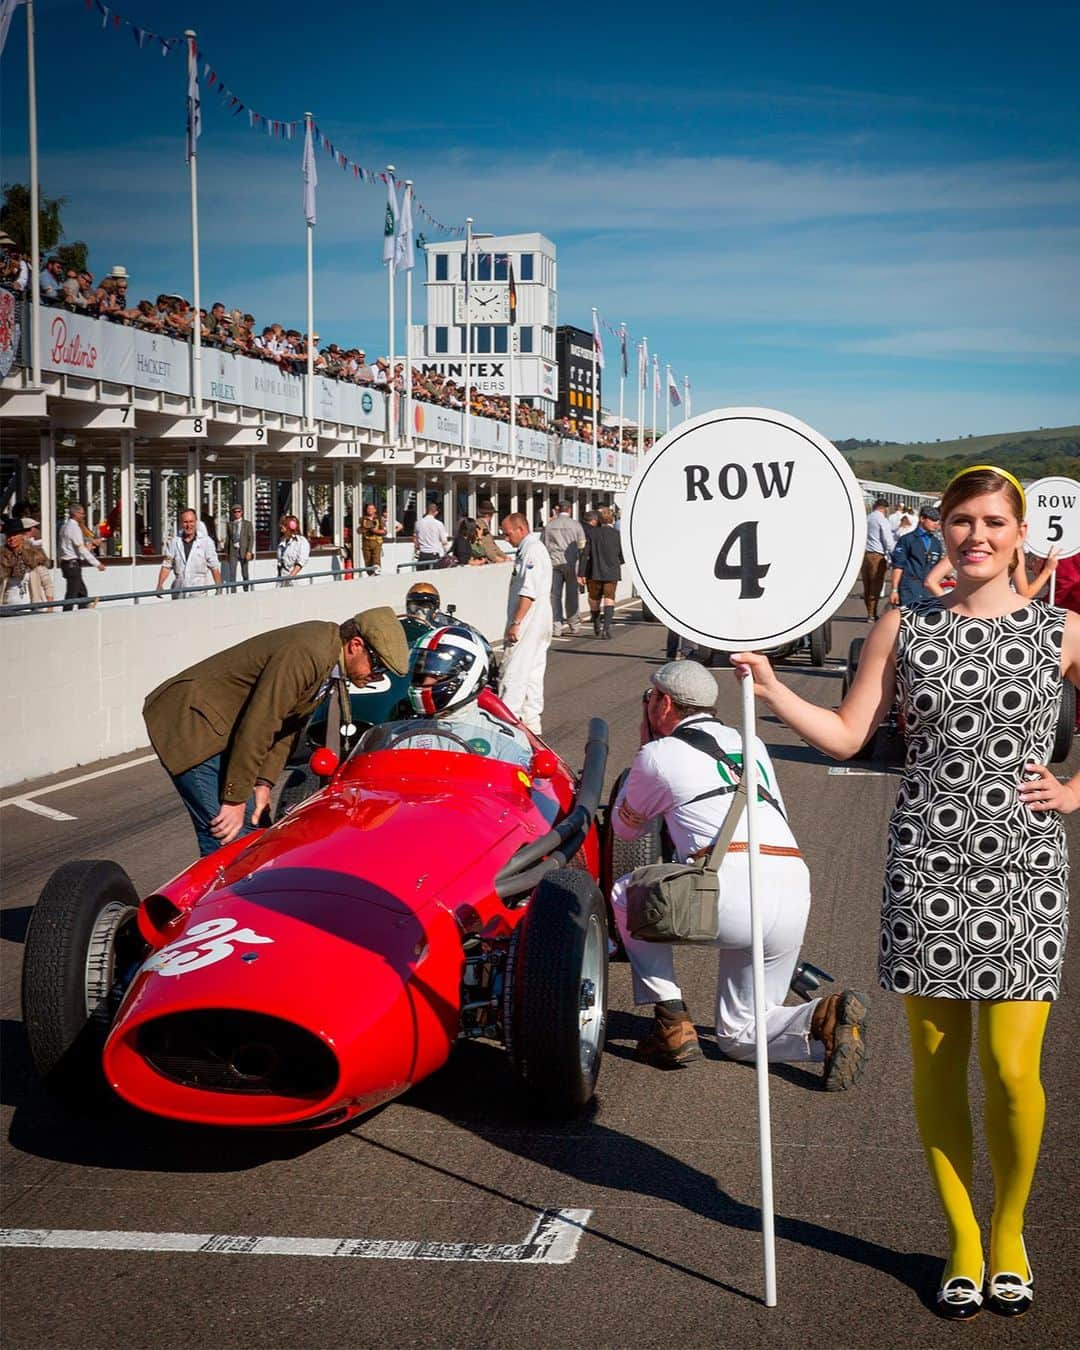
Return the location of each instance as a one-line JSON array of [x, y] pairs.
[[76, 682]]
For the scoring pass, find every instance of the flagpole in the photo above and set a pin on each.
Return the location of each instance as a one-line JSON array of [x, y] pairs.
[[511, 329], [35, 203], [468, 334], [408, 330], [390, 271], [686, 396], [595, 399], [667, 400], [655, 382], [643, 371], [622, 378], [193, 180]]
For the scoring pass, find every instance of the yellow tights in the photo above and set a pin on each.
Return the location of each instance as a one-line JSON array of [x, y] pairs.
[[1010, 1045]]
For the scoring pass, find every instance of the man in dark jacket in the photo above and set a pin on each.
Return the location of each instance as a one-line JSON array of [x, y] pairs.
[[915, 556], [223, 728], [601, 566]]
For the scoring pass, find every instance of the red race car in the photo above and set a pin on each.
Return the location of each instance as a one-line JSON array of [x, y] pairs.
[[310, 972]]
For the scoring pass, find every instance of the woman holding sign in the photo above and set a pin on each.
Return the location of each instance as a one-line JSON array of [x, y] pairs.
[[975, 907]]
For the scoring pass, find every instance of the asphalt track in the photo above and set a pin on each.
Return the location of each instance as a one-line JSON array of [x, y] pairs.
[[666, 1163]]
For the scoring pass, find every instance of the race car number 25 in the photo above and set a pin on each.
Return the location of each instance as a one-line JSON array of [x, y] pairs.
[[204, 944]]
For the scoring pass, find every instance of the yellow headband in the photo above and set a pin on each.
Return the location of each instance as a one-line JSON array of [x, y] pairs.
[[992, 468]]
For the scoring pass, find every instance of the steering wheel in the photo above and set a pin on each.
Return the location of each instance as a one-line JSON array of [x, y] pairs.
[[411, 734]]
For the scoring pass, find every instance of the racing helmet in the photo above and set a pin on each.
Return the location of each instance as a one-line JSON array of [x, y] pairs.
[[422, 600], [449, 667]]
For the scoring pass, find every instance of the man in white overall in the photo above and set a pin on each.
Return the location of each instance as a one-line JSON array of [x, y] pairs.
[[685, 771], [190, 556], [528, 624]]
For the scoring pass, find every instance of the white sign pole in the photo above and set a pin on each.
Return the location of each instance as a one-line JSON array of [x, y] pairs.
[[736, 487], [757, 956]]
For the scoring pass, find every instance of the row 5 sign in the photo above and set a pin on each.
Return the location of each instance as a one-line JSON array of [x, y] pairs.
[[770, 522], [1053, 516]]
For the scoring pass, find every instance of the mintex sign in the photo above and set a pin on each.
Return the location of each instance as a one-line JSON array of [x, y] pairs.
[[489, 377]]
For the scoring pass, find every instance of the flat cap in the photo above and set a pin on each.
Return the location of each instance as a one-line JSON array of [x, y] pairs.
[[687, 683], [384, 637]]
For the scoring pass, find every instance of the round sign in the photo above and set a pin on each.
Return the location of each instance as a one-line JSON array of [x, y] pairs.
[[1053, 516], [746, 529]]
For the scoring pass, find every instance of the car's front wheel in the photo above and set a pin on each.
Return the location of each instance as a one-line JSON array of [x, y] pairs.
[[555, 1011], [83, 946]]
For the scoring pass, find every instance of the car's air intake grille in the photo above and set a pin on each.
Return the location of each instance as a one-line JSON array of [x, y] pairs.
[[224, 1050]]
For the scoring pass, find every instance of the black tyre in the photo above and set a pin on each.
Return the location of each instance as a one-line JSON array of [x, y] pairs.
[[83, 946], [647, 616], [555, 1010], [294, 786], [1066, 723], [819, 646], [854, 657]]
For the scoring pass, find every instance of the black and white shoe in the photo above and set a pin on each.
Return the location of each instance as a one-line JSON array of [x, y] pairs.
[[961, 1297], [1009, 1294]]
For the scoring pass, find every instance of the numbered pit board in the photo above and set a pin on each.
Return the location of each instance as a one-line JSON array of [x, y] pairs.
[[746, 529], [1053, 516]]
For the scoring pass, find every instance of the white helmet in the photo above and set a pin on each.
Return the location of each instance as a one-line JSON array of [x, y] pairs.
[[449, 667]]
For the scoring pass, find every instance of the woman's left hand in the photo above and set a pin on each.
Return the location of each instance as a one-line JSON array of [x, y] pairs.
[[1046, 793]]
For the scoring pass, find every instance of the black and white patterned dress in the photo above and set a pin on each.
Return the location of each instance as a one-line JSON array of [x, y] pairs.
[[975, 902]]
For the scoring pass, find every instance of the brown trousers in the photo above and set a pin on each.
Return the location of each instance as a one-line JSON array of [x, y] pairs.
[[873, 578]]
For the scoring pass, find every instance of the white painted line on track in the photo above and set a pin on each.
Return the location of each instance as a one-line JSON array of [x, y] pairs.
[[25, 804], [841, 771], [74, 782], [553, 1241]]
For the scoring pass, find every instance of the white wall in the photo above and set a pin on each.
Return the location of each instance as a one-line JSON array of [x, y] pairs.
[[75, 689]]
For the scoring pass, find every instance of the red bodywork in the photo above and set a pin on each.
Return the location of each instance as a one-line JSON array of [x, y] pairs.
[[332, 941]]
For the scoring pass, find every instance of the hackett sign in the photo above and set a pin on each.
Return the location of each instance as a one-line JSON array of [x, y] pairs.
[[770, 523]]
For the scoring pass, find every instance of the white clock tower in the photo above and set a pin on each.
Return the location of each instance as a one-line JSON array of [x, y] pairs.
[[502, 330]]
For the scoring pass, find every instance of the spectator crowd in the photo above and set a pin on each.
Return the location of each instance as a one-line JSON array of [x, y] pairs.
[[235, 330]]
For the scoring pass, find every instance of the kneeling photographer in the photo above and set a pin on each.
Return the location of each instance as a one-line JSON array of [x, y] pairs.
[[687, 771]]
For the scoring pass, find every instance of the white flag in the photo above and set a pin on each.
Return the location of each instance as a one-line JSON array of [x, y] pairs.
[[673, 389], [656, 374], [643, 364], [311, 177], [194, 114], [598, 342], [7, 11], [390, 225], [686, 388], [404, 253]]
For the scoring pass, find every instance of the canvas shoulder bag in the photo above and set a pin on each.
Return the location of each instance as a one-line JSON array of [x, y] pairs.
[[680, 902]]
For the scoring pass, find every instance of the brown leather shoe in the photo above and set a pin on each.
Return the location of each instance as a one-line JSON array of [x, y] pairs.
[[839, 1023], [672, 1043]]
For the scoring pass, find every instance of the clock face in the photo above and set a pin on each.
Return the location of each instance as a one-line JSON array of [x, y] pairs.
[[487, 304]]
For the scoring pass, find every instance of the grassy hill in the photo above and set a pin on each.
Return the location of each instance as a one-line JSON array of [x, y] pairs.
[[929, 465]]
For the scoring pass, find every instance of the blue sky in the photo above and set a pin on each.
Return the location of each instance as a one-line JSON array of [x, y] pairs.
[[868, 219]]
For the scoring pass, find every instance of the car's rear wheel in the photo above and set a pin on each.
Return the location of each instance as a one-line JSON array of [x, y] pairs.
[[83, 947], [819, 646], [555, 1010], [1066, 723]]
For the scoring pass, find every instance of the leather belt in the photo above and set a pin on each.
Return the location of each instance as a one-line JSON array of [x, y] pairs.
[[773, 850]]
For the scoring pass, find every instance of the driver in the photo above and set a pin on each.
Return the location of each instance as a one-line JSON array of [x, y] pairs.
[[449, 669], [422, 601]]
